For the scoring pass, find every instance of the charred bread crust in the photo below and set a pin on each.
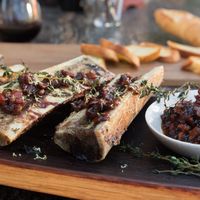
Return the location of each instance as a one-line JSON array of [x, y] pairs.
[[13, 126], [94, 142]]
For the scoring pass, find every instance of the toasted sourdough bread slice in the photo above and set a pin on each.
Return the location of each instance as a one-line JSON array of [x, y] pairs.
[[185, 50], [92, 143], [166, 54], [192, 64], [122, 52], [145, 53], [98, 51], [179, 23], [12, 126]]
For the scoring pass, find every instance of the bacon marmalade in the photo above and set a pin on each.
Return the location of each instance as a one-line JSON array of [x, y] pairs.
[[32, 87], [106, 98], [182, 122]]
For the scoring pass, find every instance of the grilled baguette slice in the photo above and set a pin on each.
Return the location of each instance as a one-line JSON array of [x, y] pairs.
[[12, 126], [192, 64], [93, 142], [145, 53], [185, 50], [166, 54], [122, 52], [98, 51]]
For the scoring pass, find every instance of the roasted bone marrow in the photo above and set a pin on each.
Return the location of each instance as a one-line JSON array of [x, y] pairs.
[[99, 120], [28, 97]]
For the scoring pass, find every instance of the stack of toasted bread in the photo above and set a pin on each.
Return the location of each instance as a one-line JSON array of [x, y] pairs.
[[133, 54], [145, 52]]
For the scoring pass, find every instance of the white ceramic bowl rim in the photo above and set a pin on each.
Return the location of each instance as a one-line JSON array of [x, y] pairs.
[[169, 138], [191, 95]]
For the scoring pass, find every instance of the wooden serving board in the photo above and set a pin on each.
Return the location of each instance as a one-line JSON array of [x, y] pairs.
[[61, 174], [38, 56], [119, 176]]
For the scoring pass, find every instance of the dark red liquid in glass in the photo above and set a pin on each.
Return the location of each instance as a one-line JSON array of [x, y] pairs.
[[19, 34]]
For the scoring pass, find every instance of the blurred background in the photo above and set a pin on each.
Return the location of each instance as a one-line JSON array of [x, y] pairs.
[[75, 21]]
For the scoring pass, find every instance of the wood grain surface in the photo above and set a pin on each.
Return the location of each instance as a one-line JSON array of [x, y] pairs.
[[63, 175], [39, 56]]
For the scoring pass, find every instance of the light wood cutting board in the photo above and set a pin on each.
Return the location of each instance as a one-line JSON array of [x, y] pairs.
[[39, 56]]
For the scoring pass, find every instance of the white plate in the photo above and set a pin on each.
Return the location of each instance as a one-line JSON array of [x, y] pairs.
[[153, 119]]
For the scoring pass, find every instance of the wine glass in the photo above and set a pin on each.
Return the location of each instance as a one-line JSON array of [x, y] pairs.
[[20, 20]]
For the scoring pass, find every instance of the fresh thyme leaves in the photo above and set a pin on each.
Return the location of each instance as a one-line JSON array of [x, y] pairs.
[[7, 71], [36, 152], [11, 84], [165, 94], [42, 74], [25, 65], [75, 86], [180, 165], [58, 73], [93, 93], [73, 83], [37, 157], [136, 151]]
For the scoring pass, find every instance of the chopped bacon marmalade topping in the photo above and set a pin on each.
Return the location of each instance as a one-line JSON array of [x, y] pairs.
[[182, 122], [34, 86], [12, 101], [108, 98]]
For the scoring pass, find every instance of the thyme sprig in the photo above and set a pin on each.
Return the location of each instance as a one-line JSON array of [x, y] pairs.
[[73, 83], [180, 165], [164, 94], [7, 71], [11, 84]]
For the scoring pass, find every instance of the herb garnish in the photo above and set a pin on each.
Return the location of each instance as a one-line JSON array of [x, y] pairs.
[[180, 165], [36, 152], [10, 84], [165, 94], [7, 71]]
